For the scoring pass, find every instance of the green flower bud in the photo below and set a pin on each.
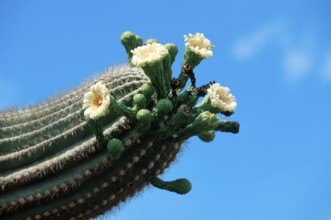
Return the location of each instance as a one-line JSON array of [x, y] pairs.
[[115, 147], [139, 41], [228, 126], [150, 41], [144, 115], [207, 136], [180, 186], [164, 107], [205, 121], [139, 101], [128, 36], [147, 90], [144, 118], [130, 41], [173, 50]]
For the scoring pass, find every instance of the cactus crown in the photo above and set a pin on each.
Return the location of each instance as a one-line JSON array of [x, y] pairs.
[[87, 151]]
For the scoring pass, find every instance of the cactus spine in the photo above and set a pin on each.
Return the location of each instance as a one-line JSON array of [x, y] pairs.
[[83, 153]]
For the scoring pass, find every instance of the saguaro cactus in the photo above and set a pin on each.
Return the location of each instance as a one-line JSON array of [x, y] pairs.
[[83, 153]]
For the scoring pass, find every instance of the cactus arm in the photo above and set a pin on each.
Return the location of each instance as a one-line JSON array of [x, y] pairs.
[[85, 152]]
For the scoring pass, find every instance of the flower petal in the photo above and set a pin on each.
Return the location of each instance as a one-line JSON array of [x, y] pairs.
[[148, 54], [96, 101], [221, 98], [199, 44]]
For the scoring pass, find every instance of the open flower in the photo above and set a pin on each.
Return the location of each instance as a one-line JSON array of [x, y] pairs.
[[96, 101], [148, 54], [155, 60], [199, 44], [221, 98]]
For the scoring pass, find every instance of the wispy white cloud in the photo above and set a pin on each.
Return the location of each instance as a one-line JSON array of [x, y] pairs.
[[299, 55], [297, 52], [249, 45], [297, 63]]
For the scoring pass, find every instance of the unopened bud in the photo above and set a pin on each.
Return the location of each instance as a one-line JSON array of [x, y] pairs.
[[115, 147], [139, 101], [164, 107]]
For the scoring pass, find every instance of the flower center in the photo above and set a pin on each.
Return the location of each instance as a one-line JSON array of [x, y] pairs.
[[146, 53], [225, 98], [197, 43], [97, 101]]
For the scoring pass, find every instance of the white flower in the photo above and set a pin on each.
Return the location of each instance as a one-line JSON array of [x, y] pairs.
[[148, 54], [199, 44], [221, 98], [96, 101]]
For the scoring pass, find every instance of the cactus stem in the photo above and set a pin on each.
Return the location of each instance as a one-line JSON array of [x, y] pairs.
[[121, 109], [182, 115], [97, 128]]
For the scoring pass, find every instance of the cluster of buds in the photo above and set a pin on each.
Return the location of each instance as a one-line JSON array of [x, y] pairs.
[[79, 155], [162, 108]]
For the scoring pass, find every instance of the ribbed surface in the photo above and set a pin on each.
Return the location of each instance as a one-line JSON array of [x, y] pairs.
[[103, 189], [57, 164], [36, 125], [112, 77], [52, 167]]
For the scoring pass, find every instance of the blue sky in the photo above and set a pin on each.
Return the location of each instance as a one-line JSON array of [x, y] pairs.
[[274, 55]]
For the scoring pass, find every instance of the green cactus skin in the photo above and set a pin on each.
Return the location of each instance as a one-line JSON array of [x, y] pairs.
[[54, 163], [52, 160]]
